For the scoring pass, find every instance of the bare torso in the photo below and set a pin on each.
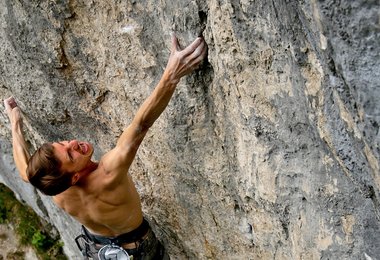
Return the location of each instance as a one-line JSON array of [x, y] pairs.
[[103, 208]]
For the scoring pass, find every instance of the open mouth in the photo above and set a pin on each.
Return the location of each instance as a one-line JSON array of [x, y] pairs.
[[84, 148]]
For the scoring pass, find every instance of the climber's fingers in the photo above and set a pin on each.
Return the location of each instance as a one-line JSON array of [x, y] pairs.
[[198, 55]]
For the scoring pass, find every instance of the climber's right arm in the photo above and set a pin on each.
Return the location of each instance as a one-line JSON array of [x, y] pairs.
[[20, 149]]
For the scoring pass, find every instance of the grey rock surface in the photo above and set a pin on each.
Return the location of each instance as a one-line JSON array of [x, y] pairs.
[[269, 151]]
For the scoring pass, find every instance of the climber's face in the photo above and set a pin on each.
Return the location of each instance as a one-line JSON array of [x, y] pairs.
[[74, 156]]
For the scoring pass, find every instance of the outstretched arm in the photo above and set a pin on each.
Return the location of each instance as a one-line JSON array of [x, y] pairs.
[[181, 62], [20, 150]]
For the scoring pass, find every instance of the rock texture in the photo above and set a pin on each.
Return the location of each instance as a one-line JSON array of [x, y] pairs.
[[269, 151]]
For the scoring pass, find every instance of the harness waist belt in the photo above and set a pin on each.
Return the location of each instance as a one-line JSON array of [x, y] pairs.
[[130, 237]]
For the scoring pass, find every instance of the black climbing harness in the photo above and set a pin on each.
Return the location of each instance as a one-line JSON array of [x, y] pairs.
[[107, 248], [107, 252]]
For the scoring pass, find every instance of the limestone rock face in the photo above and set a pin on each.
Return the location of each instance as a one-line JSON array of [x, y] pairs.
[[269, 151]]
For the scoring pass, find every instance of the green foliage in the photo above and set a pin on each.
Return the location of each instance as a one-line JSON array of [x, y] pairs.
[[3, 211], [38, 239], [29, 228]]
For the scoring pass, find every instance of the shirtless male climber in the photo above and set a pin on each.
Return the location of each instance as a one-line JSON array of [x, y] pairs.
[[101, 195]]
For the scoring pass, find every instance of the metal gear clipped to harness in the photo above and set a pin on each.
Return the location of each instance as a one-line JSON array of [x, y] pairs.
[[113, 252]]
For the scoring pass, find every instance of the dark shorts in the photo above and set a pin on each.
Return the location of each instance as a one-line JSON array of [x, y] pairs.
[[148, 248]]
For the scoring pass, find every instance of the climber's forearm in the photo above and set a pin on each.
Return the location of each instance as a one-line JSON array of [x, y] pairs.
[[155, 104], [20, 150]]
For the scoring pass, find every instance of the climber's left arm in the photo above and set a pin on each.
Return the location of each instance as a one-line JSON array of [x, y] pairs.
[[20, 149]]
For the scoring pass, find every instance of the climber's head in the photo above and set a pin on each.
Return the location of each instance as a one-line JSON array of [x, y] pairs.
[[74, 156], [55, 167]]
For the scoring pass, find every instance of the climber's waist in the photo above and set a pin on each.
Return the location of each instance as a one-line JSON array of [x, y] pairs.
[[136, 235]]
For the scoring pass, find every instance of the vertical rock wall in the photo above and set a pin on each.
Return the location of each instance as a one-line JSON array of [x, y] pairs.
[[269, 151]]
